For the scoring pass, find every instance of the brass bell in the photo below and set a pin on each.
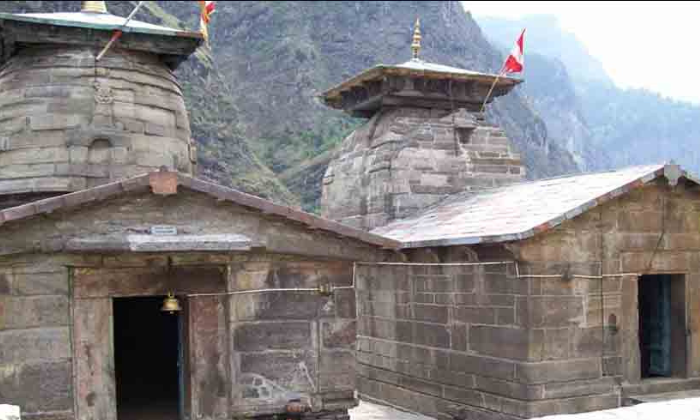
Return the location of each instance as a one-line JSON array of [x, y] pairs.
[[171, 304]]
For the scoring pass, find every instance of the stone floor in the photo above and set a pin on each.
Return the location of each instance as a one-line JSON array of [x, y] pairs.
[[676, 409], [365, 411], [675, 406], [370, 411]]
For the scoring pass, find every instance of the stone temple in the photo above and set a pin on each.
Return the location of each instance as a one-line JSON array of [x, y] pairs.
[[439, 280], [425, 138], [101, 220]]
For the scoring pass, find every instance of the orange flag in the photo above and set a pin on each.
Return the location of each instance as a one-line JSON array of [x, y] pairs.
[[207, 9]]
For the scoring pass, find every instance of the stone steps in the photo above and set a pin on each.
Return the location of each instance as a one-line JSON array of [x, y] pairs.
[[660, 390]]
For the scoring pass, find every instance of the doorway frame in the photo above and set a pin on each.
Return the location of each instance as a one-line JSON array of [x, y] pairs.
[[678, 340], [183, 324], [631, 352], [93, 290]]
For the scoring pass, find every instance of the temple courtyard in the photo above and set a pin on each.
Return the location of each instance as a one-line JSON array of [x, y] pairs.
[[685, 407]]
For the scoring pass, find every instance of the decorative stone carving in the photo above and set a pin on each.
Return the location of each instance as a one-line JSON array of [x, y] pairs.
[[103, 93]]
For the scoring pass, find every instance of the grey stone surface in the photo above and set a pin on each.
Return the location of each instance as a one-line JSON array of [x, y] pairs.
[[407, 158], [371, 411], [81, 123], [516, 211]]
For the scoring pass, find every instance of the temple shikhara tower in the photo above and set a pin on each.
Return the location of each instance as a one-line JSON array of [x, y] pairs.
[[69, 122], [425, 138]]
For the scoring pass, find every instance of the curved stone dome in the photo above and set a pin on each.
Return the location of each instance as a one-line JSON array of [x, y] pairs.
[[68, 123]]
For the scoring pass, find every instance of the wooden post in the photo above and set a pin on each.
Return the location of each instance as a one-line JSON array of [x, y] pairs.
[[493, 85], [118, 32]]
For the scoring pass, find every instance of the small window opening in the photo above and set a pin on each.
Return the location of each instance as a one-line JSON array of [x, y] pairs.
[[100, 151], [464, 135]]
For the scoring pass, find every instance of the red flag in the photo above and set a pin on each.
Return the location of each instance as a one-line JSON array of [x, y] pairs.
[[207, 9], [516, 60]]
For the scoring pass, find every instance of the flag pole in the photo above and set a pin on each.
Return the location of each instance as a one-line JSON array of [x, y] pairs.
[[118, 32], [493, 85]]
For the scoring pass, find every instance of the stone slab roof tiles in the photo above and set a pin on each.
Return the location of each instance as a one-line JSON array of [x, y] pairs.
[[167, 183], [521, 210], [100, 21]]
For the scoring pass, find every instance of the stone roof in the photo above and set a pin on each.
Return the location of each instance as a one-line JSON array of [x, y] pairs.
[[416, 68], [426, 66], [94, 30], [105, 21], [167, 183], [521, 210]]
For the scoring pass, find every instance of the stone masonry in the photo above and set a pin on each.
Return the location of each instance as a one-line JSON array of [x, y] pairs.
[[248, 355], [539, 332], [405, 159], [68, 124]]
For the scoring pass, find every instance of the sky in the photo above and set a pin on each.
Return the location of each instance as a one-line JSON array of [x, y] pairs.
[[652, 44]]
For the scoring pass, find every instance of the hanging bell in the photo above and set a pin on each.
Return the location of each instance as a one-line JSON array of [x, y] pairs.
[[171, 304]]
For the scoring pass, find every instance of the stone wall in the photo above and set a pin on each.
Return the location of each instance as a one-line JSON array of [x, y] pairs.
[[292, 345], [251, 354], [652, 230], [55, 355], [405, 159], [68, 123], [489, 342], [36, 370], [430, 337], [474, 342]]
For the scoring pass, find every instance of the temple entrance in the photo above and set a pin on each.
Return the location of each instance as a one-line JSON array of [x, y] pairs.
[[147, 353], [662, 340]]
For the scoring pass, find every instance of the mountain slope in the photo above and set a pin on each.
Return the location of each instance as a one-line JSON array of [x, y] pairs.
[[545, 36], [625, 126], [283, 54], [252, 98], [224, 152]]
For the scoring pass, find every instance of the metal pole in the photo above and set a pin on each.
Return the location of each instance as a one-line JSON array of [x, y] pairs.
[[118, 32], [438, 264]]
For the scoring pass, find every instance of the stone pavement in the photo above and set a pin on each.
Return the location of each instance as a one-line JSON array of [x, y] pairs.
[[9, 412], [370, 411], [682, 409]]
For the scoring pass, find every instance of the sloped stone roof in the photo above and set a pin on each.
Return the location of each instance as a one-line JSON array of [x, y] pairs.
[[521, 210], [100, 21], [167, 183]]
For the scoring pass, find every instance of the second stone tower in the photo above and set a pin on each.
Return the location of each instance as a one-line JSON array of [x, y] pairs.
[[425, 138]]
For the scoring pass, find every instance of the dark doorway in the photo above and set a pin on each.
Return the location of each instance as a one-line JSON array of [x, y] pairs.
[[662, 325], [146, 347]]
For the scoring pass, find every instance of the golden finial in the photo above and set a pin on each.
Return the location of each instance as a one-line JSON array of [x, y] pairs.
[[93, 7], [415, 46]]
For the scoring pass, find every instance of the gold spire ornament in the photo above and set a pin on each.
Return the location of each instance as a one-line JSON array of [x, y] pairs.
[[93, 7], [415, 46]]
